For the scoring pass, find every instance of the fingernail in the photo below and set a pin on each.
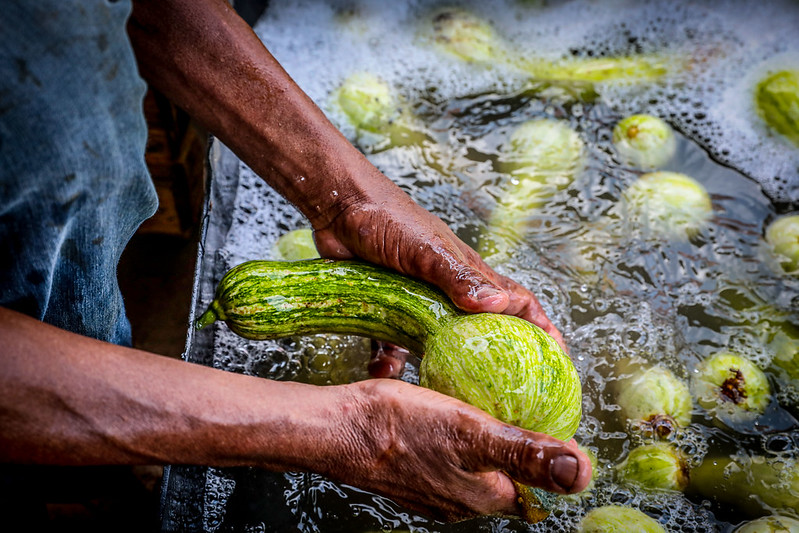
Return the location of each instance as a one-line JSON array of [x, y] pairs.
[[564, 470], [486, 293]]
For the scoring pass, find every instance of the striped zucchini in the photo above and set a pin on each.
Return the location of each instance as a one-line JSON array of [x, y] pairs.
[[502, 364], [274, 299]]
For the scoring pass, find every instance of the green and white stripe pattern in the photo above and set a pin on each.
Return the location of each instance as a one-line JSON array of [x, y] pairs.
[[274, 299], [504, 365]]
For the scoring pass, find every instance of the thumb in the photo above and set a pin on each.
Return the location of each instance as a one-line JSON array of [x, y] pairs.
[[538, 460]]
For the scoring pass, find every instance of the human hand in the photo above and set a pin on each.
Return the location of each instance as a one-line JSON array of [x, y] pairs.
[[421, 448], [385, 226], [388, 360], [440, 456]]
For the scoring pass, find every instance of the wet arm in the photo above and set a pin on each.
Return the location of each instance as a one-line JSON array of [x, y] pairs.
[[206, 59]]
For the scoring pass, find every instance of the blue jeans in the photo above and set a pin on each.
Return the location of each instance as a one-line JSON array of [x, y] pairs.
[[73, 181]]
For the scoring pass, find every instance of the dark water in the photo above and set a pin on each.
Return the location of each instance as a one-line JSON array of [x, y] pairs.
[[614, 288]]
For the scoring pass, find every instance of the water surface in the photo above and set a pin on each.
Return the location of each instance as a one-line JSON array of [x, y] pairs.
[[614, 288]]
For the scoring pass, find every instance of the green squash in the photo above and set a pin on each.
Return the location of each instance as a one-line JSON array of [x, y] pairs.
[[783, 237], [755, 485], [668, 204], [732, 388], [652, 398], [505, 365], [777, 103], [770, 524], [644, 141], [295, 245], [541, 157], [619, 519], [658, 466]]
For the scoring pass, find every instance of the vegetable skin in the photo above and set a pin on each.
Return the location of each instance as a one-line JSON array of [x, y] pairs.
[[376, 112], [464, 35], [770, 524], [777, 103], [295, 245], [783, 237], [619, 519], [731, 387], [644, 141], [755, 485], [655, 466], [669, 204], [652, 398]]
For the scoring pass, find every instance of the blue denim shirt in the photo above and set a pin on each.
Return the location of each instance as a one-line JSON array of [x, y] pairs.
[[73, 181]]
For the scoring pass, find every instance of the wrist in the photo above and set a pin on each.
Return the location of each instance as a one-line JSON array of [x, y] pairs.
[[299, 427], [347, 434]]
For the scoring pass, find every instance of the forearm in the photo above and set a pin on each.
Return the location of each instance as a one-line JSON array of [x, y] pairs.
[[68, 399], [208, 61]]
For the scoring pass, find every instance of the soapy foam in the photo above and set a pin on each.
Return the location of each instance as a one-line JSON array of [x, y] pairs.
[[729, 45]]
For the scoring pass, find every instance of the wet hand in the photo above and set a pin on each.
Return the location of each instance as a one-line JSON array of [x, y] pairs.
[[393, 231], [440, 456]]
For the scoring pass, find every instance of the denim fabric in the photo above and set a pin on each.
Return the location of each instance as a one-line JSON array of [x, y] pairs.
[[73, 181]]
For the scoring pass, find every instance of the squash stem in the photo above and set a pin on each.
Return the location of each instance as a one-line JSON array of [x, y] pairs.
[[211, 315], [534, 504]]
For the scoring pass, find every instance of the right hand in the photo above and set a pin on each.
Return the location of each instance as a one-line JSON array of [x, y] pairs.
[[438, 455], [381, 224]]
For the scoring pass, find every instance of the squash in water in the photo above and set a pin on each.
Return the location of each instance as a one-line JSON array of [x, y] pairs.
[[644, 141], [619, 519], [507, 366], [668, 204], [541, 157], [783, 237], [777, 103], [652, 399]]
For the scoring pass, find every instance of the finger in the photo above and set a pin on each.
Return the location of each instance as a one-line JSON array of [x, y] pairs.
[[538, 460], [520, 302], [478, 289], [388, 360], [485, 493], [460, 277], [329, 246], [555, 467], [504, 499]]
